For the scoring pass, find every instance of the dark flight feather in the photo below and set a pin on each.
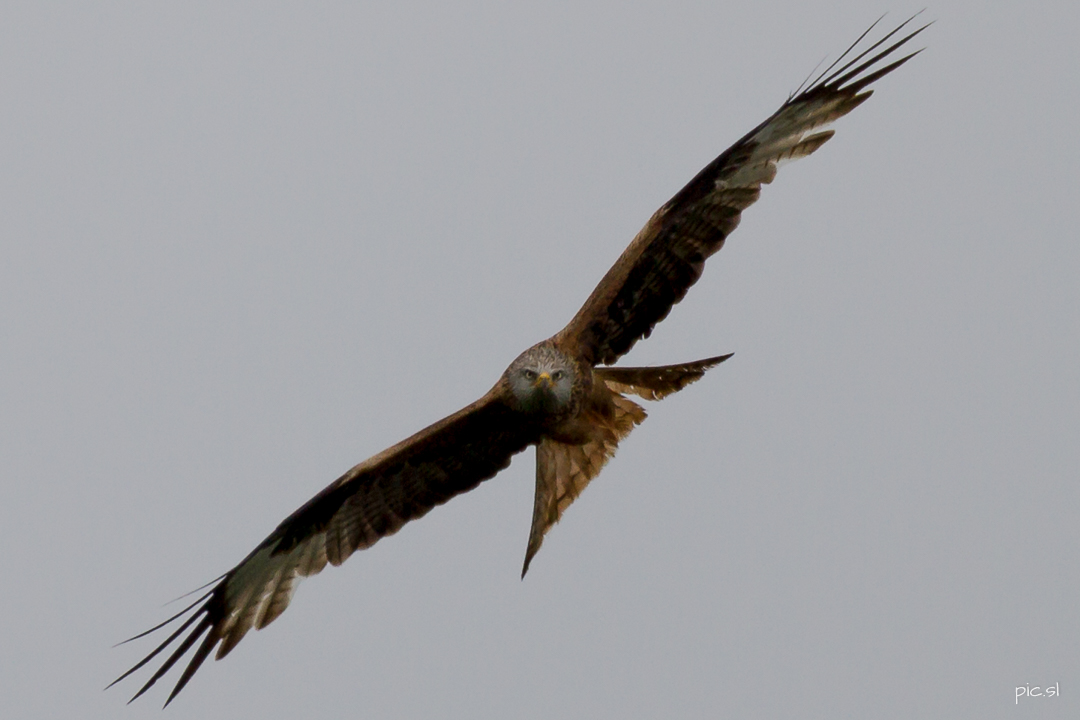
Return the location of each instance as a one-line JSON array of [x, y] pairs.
[[668, 255], [369, 502]]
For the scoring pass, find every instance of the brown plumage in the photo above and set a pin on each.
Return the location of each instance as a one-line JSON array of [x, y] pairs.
[[553, 396], [564, 469]]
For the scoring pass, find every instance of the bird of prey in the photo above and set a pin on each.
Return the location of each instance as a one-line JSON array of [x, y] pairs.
[[560, 395]]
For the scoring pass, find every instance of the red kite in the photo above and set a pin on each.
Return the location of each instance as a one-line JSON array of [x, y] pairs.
[[557, 395]]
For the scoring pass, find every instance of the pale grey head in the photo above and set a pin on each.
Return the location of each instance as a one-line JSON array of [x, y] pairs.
[[541, 379]]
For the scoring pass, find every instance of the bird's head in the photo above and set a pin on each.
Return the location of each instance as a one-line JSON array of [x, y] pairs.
[[541, 379]]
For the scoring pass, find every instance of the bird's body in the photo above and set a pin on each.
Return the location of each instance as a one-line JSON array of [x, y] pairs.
[[559, 395]]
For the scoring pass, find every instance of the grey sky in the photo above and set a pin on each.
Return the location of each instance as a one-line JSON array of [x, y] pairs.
[[246, 246]]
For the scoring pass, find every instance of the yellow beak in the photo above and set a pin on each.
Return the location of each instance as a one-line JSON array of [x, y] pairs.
[[544, 379]]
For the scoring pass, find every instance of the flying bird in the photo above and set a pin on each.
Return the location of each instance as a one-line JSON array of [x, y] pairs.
[[560, 395]]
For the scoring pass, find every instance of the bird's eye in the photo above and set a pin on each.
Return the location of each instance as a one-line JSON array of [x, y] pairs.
[[557, 375], [529, 374]]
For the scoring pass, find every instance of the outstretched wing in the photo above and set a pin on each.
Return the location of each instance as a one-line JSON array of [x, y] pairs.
[[369, 502], [669, 253]]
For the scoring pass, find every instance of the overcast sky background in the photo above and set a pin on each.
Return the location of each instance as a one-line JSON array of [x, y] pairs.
[[247, 245]]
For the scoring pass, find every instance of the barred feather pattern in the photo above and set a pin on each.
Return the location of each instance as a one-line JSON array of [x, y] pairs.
[[371, 501]]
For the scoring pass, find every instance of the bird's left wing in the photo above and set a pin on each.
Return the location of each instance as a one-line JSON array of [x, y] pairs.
[[668, 255], [369, 502]]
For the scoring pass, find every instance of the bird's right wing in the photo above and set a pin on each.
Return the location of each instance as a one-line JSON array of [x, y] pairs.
[[369, 502]]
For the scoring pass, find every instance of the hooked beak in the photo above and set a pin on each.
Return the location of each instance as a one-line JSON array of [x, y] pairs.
[[544, 380]]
